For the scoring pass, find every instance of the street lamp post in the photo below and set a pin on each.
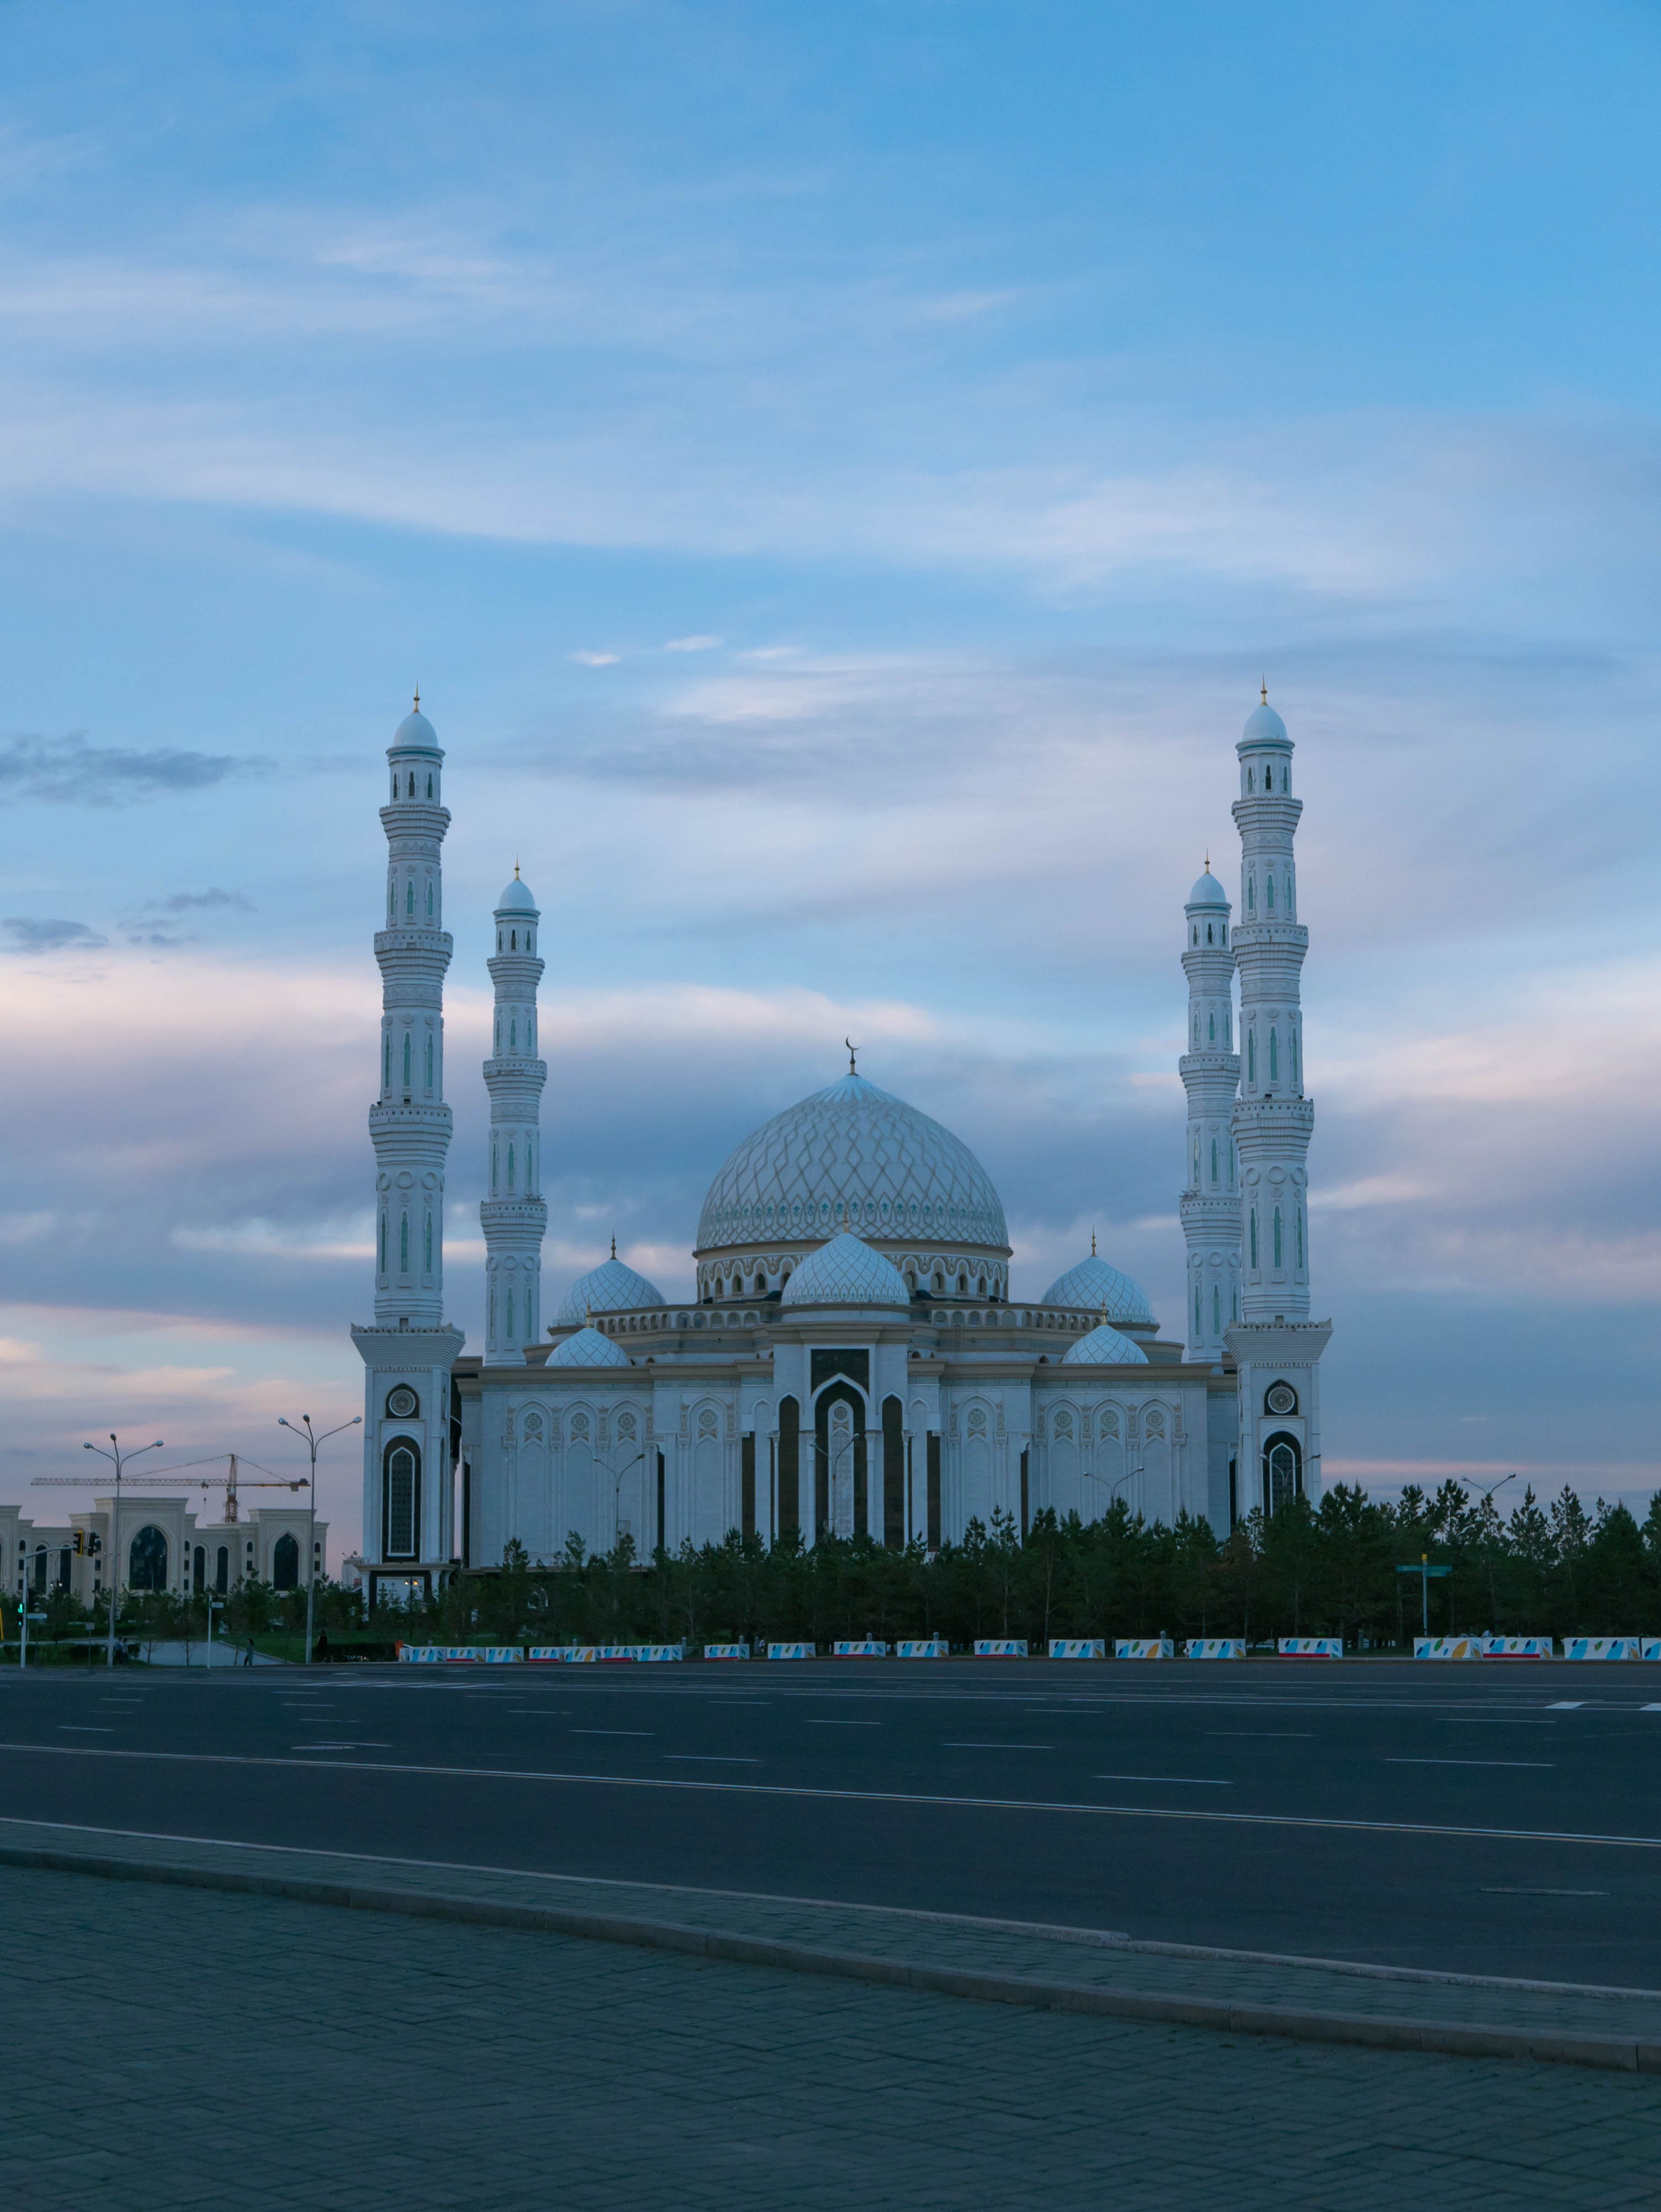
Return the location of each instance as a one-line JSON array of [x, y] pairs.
[[312, 1440], [117, 1459]]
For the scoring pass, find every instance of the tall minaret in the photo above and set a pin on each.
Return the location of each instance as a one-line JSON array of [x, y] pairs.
[[513, 1214], [1277, 1347], [1210, 1070], [409, 1352]]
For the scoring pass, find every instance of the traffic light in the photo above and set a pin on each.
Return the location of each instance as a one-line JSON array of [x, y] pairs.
[[80, 1542]]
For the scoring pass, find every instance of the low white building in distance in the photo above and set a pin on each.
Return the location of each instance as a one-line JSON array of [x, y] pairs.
[[163, 1547]]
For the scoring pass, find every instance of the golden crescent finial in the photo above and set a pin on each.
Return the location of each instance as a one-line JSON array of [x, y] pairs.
[[853, 1049], [1265, 690]]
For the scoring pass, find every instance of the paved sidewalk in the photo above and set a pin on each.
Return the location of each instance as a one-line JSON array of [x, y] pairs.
[[1077, 1958], [171, 2047]]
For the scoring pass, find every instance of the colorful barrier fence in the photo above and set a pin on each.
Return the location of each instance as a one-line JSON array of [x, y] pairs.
[[569, 1655], [864, 1649], [1650, 1647], [1000, 1647], [923, 1647], [726, 1651], [1447, 1647], [1311, 1647], [1603, 1647], [476, 1654], [1143, 1647], [1519, 1647], [790, 1651], [1078, 1647], [1214, 1647]]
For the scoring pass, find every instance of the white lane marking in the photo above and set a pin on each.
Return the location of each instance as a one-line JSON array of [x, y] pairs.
[[1463, 1720], [1490, 1891], [846, 1723], [648, 1732], [1188, 1781], [1544, 1764], [1269, 1735], [1650, 1709], [1566, 1705], [998, 1746], [711, 1759], [340, 1747], [847, 1796], [69, 1728]]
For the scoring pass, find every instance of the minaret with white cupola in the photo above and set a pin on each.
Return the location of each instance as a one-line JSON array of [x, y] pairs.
[[409, 1351], [1277, 1347], [513, 1214], [1210, 1071]]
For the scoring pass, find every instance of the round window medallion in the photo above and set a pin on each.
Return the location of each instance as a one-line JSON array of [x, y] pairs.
[[401, 1402], [1283, 1399]]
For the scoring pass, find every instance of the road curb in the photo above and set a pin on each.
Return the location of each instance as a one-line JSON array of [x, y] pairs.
[[1448, 2037]]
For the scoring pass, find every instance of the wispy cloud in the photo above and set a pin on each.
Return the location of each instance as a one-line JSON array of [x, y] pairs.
[[30, 936], [71, 771]]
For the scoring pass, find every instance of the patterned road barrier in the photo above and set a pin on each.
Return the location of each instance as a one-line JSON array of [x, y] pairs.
[[1311, 1647], [865, 1649], [1214, 1647], [476, 1654], [1447, 1647], [1143, 1647], [1603, 1647], [569, 1655], [1650, 1647], [1519, 1647], [1000, 1647], [641, 1651], [1078, 1647], [726, 1651], [923, 1647], [790, 1651]]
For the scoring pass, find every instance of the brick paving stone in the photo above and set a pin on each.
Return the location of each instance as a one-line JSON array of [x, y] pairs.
[[312, 2056]]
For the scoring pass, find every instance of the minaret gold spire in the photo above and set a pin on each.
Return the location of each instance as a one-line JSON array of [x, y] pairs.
[[852, 1049]]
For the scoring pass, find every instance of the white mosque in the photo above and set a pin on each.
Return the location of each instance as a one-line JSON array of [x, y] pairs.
[[857, 1360]]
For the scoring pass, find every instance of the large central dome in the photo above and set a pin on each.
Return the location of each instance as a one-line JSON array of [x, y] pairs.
[[853, 1158]]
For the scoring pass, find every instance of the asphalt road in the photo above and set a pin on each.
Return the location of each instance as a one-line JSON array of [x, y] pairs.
[[1471, 1818]]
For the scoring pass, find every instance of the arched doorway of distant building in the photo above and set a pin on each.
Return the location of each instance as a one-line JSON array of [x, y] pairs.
[[285, 1563], [1282, 1471], [147, 1559]]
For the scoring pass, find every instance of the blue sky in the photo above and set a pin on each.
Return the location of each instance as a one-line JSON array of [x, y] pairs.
[[837, 476]]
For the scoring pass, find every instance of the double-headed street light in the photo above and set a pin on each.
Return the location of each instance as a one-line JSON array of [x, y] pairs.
[[308, 1437], [117, 1459]]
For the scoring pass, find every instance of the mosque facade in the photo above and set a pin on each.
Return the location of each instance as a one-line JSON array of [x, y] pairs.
[[856, 1359]]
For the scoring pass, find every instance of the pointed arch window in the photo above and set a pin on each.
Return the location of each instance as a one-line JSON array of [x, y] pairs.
[[406, 1059], [512, 940], [510, 1167], [1251, 894], [429, 783], [383, 1241], [1196, 1162], [513, 1037], [1197, 1331], [1299, 1216], [510, 1316], [429, 1063], [1248, 780], [1292, 1046], [1210, 937], [1211, 1027], [1214, 1162], [1268, 893], [387, 1061], [412, 783], [1274, 1055], [403, 1243], [1277, 1237], [409, 897], [1217, 1309], [428, 1244], [1251, 1055], [1193, 938], [1234, 1157], [429, 898], [1289, 894], [494, 1163], [1254, 1237]]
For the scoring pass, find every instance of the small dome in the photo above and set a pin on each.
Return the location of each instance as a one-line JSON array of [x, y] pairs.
[[845, 1272], [1104, 1347], [609, 1288], [1208, 891], [1098, 1288], [416, 730], [516, 899], [1263, 726], [588, 1348]]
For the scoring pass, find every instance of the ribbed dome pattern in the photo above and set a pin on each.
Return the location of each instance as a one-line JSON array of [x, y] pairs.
[[850, 1157], [1104, 1347], [1097, 1288], [845, 1272], [609, 1288], [588, 1348]]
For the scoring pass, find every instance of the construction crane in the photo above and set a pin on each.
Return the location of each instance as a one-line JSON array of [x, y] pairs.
[[174, 1478]]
